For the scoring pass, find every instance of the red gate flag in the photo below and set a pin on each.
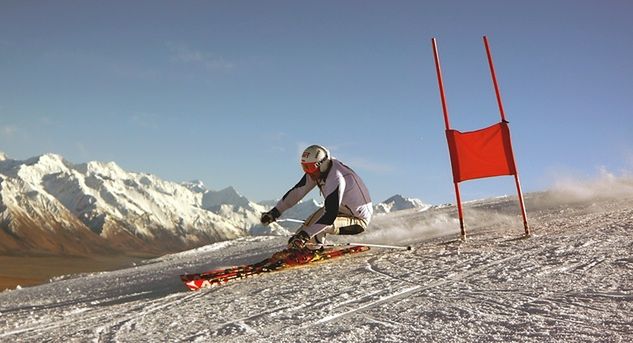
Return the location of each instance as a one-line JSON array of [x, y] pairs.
[[482, 153]]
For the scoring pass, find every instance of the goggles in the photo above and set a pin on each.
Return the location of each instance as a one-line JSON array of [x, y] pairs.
[[310, 167]]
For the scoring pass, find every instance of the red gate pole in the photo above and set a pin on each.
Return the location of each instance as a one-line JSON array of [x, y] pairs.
[[525, 223], [494, 80], [460, 211], [503, 119], [440, 82]]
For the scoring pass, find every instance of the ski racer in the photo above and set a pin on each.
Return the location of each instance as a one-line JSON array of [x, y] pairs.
[[347, 209]]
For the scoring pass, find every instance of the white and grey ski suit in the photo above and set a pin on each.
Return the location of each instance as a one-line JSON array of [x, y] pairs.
[[347, 201]]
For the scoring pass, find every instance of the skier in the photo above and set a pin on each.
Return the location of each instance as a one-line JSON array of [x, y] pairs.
[[347, 209]]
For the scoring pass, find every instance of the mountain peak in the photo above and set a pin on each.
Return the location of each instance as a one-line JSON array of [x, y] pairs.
[[33, 169], [397, 197], [228, 195], [230, 190], [196, 186], [48, 158], [398, 203]]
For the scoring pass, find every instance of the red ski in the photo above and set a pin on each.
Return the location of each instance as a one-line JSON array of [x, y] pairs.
[[281, 260]]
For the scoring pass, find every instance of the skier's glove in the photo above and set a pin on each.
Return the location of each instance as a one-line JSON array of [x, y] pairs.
[[270, 216], [298, 240]]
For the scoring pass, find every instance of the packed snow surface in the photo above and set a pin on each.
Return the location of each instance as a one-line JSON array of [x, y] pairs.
[[571, 281]]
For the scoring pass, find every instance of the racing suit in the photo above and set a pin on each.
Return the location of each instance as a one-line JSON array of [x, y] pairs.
[[347, 209]]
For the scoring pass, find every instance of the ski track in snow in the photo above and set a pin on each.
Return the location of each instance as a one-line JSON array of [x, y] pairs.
[[571, 281]]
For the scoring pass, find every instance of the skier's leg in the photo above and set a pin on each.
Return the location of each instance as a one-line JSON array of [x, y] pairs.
[[312, 219], [320, 237], [348, 225], [343, 225]]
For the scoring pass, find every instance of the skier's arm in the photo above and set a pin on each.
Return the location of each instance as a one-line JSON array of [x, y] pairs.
[[333, 201], [296, 193]]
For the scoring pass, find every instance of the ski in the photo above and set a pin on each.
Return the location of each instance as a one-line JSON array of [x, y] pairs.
[[279, 261]]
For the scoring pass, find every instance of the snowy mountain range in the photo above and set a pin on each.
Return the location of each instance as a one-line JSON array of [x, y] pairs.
[[50, 205], [399, 203]]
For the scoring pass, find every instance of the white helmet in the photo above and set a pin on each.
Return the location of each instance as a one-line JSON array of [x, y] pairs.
[[315, 157]]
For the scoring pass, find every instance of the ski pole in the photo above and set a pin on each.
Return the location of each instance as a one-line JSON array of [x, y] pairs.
[[332, 245], [290, 220]]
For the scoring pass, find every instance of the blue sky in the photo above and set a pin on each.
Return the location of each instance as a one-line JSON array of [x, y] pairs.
[[229, 92]]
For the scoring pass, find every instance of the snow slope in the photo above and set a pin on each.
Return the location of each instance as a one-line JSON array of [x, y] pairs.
[[572, 281]]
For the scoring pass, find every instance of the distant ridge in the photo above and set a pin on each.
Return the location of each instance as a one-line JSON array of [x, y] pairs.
[[399, 203], [51, 206]]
